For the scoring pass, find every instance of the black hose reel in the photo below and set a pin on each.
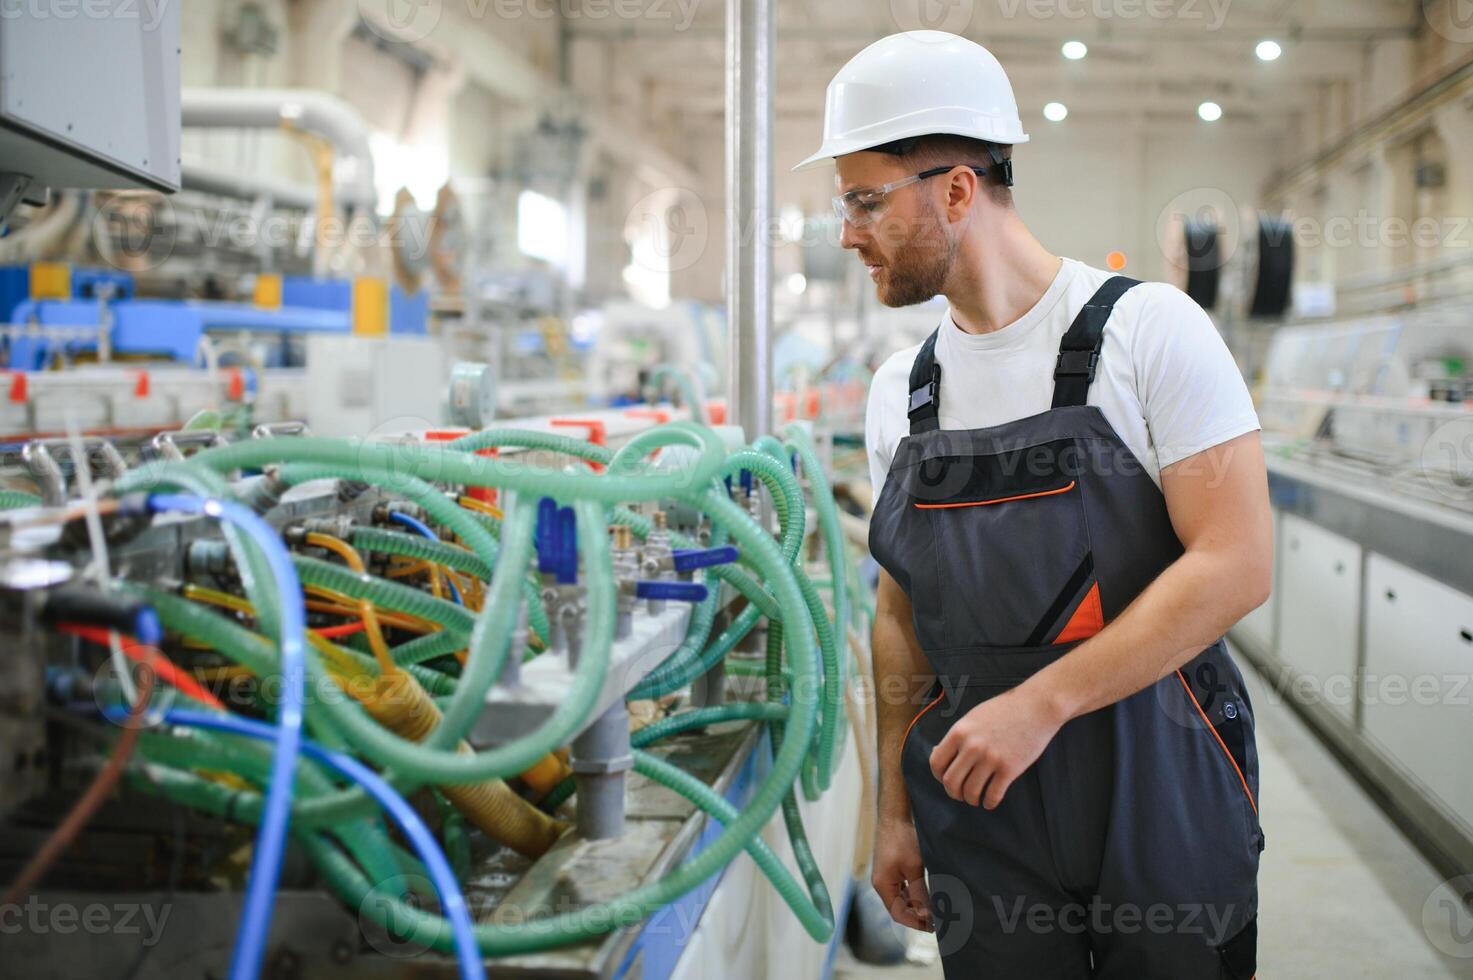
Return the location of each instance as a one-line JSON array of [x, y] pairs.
[[1261, 267]]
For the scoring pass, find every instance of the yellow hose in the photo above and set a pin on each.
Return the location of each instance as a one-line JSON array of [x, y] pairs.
[[341, 604], [216, 598], [396, 701], [548, 773], [366, 608], [408, 569], [485, 508], [399, 704], [346, 605], [341, 664]]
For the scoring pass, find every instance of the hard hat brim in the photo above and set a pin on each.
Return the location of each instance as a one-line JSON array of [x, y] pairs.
[[839, 148]]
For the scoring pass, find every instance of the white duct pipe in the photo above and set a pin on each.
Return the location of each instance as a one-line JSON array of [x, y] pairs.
[[45, 234], [308, 111], [244, 188]]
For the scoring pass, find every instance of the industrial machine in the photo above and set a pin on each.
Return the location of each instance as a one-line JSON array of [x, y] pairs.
[[1369, 431], [318, 664], [596, 669]]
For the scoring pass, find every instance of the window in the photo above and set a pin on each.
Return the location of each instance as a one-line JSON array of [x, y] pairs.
[[422, 169], [542, 228]]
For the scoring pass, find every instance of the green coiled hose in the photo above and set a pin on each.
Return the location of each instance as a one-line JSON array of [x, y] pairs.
[[16, 499], [687, 386], [786, 602], [385, 592], [439, 507], [414, 546]]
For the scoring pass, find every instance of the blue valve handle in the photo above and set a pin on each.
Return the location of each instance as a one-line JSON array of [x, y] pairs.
[[546, 535], [567, 546], [675, 591], [690, 559], [557, 541]]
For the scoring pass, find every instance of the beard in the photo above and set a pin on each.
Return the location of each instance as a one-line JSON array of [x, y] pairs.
[[920, 266]]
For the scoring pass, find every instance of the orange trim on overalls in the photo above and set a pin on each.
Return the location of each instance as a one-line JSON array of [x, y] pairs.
[[1000, 500], [1087, 620], [906, 737], [1251, 801]]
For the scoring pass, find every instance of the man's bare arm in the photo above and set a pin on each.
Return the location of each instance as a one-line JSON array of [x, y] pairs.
[[1219, 505], [901, 673]]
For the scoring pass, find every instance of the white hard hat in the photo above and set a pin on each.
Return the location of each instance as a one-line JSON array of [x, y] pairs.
[[918, 83]]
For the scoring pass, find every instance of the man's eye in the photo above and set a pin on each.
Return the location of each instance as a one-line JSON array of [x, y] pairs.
[[867, 206]]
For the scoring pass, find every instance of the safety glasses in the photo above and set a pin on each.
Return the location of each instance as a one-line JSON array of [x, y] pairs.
[[864, 205]]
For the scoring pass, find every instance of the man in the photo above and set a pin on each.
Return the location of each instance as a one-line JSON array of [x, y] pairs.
[[1071, 510]]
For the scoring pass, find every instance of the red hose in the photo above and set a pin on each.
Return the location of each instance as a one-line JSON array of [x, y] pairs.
[[161, 664], [346, 629]]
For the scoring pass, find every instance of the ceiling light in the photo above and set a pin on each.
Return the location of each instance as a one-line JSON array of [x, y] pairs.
[[1209, 111], [1075, 50], [1056, 112], [1268, 50]]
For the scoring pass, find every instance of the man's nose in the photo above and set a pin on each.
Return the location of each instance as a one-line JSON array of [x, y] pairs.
[[850, 236]]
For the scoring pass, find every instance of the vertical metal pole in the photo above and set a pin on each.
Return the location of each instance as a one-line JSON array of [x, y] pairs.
[[749, 46]]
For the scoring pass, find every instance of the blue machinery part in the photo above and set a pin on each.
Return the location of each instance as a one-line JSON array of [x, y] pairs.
[[172, 329]]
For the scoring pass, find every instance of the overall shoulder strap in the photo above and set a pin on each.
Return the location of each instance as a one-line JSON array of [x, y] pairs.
[[925, 388], [1079, 353]]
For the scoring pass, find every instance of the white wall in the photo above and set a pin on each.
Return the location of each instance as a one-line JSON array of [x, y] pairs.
[[1362, 223], [1088, 188]]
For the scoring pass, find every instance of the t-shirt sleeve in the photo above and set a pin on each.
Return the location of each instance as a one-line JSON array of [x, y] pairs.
[[1192, 393], [885, 418]]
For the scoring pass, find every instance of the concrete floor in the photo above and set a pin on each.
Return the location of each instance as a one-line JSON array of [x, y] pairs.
[[1342, 894]]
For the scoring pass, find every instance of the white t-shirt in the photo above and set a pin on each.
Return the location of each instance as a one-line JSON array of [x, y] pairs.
[[1166, 381]]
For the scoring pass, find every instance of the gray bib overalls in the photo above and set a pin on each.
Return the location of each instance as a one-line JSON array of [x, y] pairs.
[[1129, 851]]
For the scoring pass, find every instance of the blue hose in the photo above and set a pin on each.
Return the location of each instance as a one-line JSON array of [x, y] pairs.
[[452, 901], [147, 629], [421, 528], [255, 921]]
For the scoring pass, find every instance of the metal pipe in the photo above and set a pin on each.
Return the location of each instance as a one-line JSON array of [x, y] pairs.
[[749, 44], [299, 109], [601, 757], [244, 188]]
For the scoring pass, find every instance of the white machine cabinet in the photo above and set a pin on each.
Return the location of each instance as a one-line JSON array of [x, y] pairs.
[[1319, 604], [89, 93], [1419, 679]]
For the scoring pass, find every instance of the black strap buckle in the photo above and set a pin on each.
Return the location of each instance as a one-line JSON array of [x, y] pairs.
[[1002, 168], [923, 396], [1077, 364]]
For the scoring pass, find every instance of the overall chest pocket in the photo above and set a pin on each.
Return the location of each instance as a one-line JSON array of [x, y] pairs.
[[1011, 546]]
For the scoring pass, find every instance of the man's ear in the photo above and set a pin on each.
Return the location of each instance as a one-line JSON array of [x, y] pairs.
[[961, 192]]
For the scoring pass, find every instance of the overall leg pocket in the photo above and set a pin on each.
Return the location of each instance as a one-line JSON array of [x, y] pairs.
[[1216, 694]]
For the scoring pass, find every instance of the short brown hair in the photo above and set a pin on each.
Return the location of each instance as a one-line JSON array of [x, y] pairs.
[[942, 150]]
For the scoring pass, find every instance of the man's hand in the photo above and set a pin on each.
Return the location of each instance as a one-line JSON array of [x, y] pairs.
[[994, 744], [899, 875]]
